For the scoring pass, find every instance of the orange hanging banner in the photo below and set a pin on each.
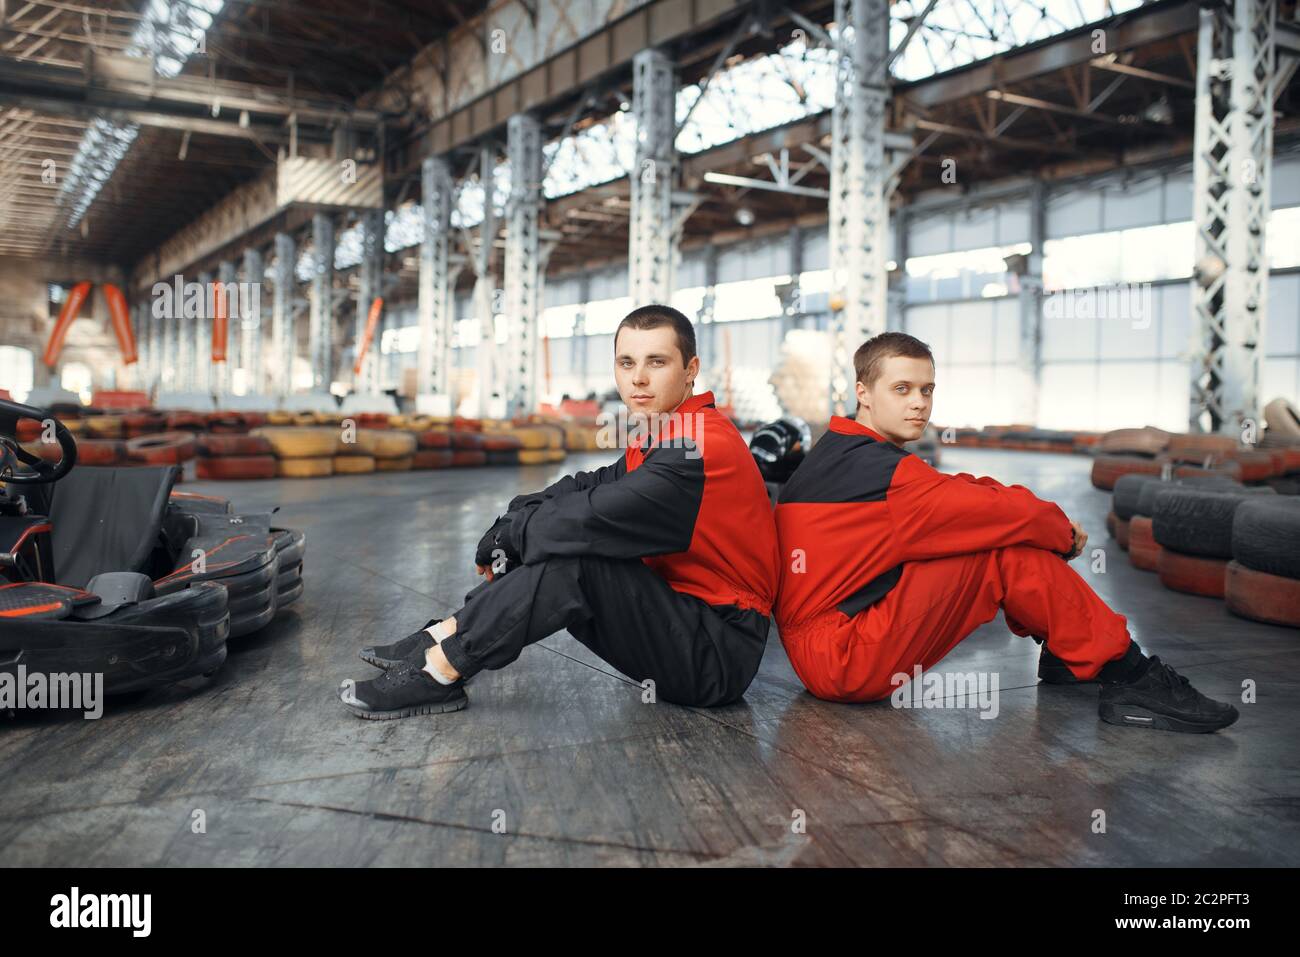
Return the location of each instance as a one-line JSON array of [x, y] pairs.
[[71, 306], [121, 317], [372, 322], [220, 323]]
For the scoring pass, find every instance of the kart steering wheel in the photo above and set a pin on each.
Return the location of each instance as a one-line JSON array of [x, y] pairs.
[[13, 456]]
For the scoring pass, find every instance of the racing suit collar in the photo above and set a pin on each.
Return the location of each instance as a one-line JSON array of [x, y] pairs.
[[847, 426]]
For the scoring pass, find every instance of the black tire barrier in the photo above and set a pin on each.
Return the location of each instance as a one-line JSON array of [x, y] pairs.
[[1198, 521], [1266, 536], [502, 456], [1124, 497]]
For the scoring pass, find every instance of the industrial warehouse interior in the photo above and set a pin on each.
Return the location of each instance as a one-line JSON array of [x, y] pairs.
[[308, 309]]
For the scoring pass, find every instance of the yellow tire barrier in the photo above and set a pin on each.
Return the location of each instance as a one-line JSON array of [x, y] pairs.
[[395, 465], [300, 443], [387, 443], [353, 464], [305, 467], [540, 456]]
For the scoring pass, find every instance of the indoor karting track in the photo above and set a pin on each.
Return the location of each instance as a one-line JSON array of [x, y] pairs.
[[585, 773]]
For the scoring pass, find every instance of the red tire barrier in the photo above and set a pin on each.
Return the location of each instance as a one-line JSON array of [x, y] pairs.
[[1230, 470], [467, 425], [1122, 532], [1111, 519], [1255, 466], [501, 443], [100, 452], [1143, 549], [225, 445], [1261, 596], [227, 423], [1107, 468], [433, 459], [468, 457], [1193, 574], [136, 424], [371, 420], [166, 448], [177, 421], [236, 467], [434, 440], [466, 440]]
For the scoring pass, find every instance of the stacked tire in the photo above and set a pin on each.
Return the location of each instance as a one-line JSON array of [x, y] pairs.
[[229, 457], [433, 449], [302, 452], [466, 448], [1192, 527], [164, 448], [1262, 581]]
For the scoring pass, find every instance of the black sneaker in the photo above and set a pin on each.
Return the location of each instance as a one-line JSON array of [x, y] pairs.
[[1163, 699], [1053, 671], [390, 656], [400, 692]]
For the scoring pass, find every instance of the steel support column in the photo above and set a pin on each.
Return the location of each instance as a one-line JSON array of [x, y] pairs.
[[1232, 158], [485, 288], [859, 212], [250, 325], [1030, 301], [370, 273], [219, 376], [198, 359], [522, 268], [652, 246], [579, 344], [433, 360], [285, 341], [320, 336]]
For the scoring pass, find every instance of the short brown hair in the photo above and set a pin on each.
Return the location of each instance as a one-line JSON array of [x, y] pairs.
[[656, 315], [869, 358]]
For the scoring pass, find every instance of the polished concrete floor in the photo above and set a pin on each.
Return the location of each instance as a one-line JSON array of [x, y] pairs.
[[558, 761]]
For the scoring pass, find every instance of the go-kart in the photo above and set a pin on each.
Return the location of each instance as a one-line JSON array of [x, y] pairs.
[[108, 570]]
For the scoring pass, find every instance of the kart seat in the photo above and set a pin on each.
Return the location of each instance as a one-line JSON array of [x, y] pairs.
[[107, 520]]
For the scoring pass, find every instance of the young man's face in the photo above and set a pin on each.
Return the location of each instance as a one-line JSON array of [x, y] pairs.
[[649, 370], [898, 403]]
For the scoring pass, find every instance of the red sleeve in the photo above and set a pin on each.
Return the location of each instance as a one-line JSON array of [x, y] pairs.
[[935, 515]]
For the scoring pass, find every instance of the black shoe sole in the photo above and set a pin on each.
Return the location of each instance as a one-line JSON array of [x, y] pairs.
[[383, 664], [1134, 716], [1062, 676], [440, 707]]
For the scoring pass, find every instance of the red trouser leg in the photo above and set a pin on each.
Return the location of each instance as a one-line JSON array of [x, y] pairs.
[[939, 602]]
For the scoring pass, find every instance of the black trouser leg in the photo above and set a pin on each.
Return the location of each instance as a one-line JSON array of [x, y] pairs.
[[694, 653]]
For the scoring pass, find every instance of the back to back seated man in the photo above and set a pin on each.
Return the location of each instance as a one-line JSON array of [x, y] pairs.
[[663, 563], [887, 564]]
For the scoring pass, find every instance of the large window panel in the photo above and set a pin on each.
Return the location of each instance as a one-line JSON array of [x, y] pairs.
[[1175, 319], [972, 331], [1138, 205], [1068, 396], [1067, 337], [1073, 213], [1280, 378], [930, 325], [1007, 324]]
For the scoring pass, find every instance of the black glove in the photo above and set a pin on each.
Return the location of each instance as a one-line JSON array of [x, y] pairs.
[[493, 542]]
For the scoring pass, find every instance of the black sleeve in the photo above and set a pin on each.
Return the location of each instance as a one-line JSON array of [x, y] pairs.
[[650, 510], [572, 483]]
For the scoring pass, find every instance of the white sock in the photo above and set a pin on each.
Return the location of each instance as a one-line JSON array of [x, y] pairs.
[[438, 676], [437, 634]]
